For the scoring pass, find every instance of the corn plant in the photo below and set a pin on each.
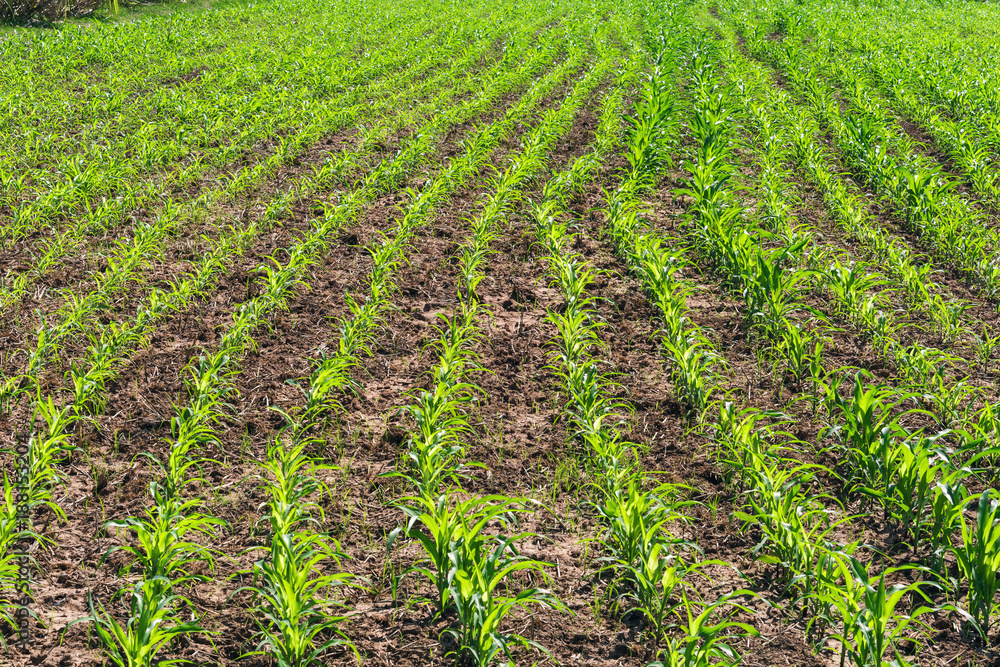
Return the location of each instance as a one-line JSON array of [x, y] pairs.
[[694, 372], [865, 608], [659, 586], [769, 290], [922, 366], [801, 351], [647, 138], [482, 569], [950, 319], [153, 622], [14, 535], [441, 526], [978, 559], [949, 402], [985, 347], [291, 611], [867, 435], [794, 523], [291, 607], [705, 643], [164, 550], [920, 462], [743, 443], [635, 521]]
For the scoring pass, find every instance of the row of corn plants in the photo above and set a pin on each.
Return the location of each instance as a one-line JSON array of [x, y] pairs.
[[895, 467], [29, 490], [211, 374], [109, 156], [652, 568], [779, 499], [166, 548], [356, 330], [946, 225], [858, 293], [931, 373], [772, 289], [472, 571], [926, 81], [785, 508]]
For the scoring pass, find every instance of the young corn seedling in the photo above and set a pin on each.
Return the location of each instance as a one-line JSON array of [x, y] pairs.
[[635, 520], [442, 526], [868, 433], [794, 523], [978, 559], [985, 347], [870, 625], [293, 614], [705, 643], [162, 551], [949, 402], [659, 582], [154, 621], [480, 590], [801, 351], [742, 443], [650, 128], [919, 461], [921, 366], [769, 290], [950, 319], [694, 372]]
